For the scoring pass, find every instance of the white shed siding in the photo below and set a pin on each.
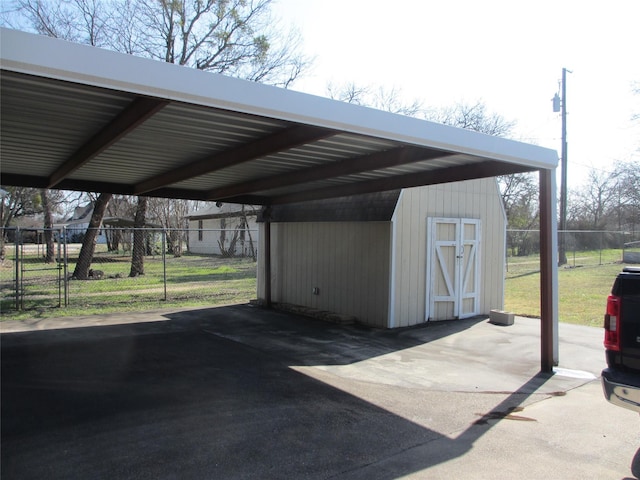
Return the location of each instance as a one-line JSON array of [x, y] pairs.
[[347, 261], [471, 199], [376, 271]]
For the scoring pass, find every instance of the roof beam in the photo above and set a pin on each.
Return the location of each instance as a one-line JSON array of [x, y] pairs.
[[276, 142], [18, 180], [126, 121], [490, 168], [375, 161]]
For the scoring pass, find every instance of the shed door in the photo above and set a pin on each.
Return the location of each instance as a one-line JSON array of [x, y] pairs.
[[452, 268]]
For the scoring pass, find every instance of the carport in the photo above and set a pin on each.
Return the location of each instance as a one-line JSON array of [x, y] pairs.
[[80, 118]]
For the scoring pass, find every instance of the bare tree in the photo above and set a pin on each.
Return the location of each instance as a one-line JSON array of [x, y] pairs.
[[628, 196], [238, 38], [19, 202], [608, 200], [171, 214], [234, 37], [120, 206], [22, 202], [245, 227], [519, 197], [473, 117], [81, 21], [389, 100], [595, 198], [48, 226]]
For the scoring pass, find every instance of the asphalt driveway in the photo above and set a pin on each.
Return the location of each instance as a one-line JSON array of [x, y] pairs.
[[240, 392]]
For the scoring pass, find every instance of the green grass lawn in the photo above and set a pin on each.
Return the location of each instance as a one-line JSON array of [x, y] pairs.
[[191, 280], [582, 292]]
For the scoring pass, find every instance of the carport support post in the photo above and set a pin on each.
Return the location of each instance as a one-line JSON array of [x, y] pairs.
[[548, 274], [267, 262]]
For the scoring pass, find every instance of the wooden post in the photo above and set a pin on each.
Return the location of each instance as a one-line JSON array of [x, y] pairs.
[[546, 272]]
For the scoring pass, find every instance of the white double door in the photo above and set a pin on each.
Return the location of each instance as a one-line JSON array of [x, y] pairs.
[[452, 268]]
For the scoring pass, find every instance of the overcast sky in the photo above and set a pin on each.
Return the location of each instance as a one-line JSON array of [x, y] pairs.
[[508, 54]]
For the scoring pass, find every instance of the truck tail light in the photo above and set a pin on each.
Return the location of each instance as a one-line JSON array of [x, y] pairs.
[[612, 324]]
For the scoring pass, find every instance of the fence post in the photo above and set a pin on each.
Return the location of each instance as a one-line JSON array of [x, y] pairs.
[[600, 247], [59, 265], [164, 263], [65, 263], [17, 267]]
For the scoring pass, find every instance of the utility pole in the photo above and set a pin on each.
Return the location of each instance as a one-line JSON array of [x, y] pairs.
[[560, 104]]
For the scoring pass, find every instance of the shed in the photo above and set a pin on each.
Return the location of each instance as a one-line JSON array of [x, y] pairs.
[[392, 259]]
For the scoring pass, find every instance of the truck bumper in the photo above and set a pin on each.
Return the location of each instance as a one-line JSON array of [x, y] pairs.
[[622, 389]]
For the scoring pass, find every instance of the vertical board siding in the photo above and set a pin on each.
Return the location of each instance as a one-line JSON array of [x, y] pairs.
[[478, 199], [348, 262]]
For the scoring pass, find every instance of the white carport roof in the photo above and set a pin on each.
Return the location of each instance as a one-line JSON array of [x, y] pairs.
[[80, 118]]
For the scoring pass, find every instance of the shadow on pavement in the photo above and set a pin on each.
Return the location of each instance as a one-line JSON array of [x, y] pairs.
[[208, 394], [306, 341]]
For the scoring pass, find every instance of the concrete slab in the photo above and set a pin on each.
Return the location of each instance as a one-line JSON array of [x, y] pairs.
[[240, 392]]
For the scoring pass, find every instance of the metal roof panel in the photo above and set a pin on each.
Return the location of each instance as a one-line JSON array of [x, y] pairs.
[[80, 117]]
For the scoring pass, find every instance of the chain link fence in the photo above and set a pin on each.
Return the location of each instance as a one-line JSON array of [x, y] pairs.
[[180, 267], [208, 266], [580, 248]]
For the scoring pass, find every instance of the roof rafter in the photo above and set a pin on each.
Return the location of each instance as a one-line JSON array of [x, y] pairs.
[[276, 142], [126, 121], [374, 161], [490, 168]]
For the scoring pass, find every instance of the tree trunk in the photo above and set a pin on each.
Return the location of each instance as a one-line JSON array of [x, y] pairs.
[[113, 239], [48, 226], [85, 258], [248, 229], [176, 239], [137, 258]]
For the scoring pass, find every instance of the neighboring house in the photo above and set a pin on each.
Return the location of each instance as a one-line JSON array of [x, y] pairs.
[[391, 259], [224, 229], [76, 226], [114, 231]]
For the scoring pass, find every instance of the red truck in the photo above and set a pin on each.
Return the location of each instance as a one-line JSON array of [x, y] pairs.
[[621, 378]]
